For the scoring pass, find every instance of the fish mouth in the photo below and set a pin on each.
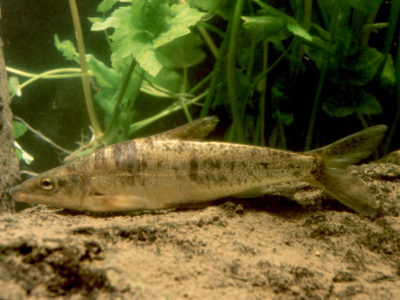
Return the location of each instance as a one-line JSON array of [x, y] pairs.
[[17, 195]]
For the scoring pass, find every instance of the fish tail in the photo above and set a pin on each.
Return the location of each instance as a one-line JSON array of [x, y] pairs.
[[349, 190], [333, 177]]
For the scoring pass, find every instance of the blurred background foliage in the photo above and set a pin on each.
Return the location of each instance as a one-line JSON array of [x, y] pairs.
[[289, 74]]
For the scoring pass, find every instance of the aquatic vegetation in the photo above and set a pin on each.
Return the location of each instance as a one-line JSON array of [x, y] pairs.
[[268, 67]]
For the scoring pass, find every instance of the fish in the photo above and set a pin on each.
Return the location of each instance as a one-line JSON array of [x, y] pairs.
[[178, 167]]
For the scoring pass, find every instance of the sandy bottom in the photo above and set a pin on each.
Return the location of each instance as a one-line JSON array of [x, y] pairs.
[[270, 248]]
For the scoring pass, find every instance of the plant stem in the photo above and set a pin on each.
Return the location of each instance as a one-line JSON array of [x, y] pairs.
[[397, 117], [282, 133], [85, 80], [200, 83], [306, 24], [264, 73], [75, 72], [367, 33], [165, 112], [42, 136], [263, 95], [46, 74], [332, 30], [120, 95], [364, 122], [307, 14], [393, 19], [230, 71], [212, 28], [216, 73], [182, 100], [209, 41]]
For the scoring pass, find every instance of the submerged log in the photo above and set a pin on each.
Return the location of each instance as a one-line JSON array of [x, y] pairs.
[[9, 169]]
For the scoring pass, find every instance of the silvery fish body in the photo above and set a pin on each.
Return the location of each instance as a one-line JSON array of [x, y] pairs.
[[168, 170]]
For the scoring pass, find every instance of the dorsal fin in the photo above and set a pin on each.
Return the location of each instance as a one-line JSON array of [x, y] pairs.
[[195, 130], [353, 148]]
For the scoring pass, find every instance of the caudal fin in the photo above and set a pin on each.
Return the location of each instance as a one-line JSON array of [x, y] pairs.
[[353, 148], [337, 181], [349, 190]]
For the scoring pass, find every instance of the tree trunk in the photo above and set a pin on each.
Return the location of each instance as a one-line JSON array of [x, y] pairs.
[[9, 169]]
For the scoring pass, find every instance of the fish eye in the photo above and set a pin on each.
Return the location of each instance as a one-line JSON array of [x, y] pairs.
[[46, 184]]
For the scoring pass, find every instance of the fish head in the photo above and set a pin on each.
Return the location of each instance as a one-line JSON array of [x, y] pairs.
[[55, 187]]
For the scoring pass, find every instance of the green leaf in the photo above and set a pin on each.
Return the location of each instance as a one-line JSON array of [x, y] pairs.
[[19, 129], [168, 79], [347, 102], [278, 45], [283, 117], [104, 98], [362, 67], [375, 27], [179, 25], [268, 9], [222, 8], [108, 81], [259, 28], [18, 154], [204, 4], [369, 105], [291, 24], [105, 77], [100, 24], [298, 30], [388, 77], [146, 26], [339, 112], [106, 5], [184, 52], [67, 49], [14, 86], [367, 6], [148, 60], [317, 51]]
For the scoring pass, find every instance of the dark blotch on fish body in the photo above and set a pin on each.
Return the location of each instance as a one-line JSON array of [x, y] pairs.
[[99, 159], [118, 155], [131, 156], [124, 156], [194, 170], [214, 164]]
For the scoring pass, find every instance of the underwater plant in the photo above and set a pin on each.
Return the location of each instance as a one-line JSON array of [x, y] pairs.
[[269, 69]]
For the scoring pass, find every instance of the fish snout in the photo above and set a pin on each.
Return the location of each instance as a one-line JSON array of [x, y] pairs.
[[16, 194], [12, 190]]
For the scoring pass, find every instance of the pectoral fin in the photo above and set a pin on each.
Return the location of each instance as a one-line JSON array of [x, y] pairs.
[[284, 189], [114, 203]]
